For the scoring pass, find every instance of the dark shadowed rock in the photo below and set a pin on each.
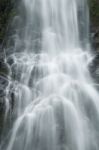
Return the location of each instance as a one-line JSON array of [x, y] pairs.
[[4, 69], [2, 104], [2, 92], [3, 84], [95, 38], [10, 60]]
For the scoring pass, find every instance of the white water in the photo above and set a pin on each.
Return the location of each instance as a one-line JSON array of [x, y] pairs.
[[56, 104]]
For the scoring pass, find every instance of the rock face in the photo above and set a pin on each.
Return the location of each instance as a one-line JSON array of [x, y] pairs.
[[4, 75], [7, 11], [95, 39], [4, 69], [94, 23], [4, 82], [94, 26]]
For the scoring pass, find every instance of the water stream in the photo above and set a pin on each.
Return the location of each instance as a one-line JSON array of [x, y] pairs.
[[56, 104]]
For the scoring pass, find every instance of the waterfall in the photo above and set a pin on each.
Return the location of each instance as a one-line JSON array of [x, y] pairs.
[[56, 105]]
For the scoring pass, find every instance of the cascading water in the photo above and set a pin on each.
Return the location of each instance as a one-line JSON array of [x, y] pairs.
[[56, 104]]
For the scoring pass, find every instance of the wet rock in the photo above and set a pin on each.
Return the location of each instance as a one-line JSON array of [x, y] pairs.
[[2, 104], [3, 82], [95, 48], [4, 68], [10, 60], [12, 95], [95, 38], [2, 92]]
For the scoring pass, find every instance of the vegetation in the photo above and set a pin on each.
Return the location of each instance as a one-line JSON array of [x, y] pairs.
[[94, 12], [7, 11]]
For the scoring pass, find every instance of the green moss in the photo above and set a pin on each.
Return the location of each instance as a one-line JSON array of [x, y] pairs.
[[7, 11], [94, 12]]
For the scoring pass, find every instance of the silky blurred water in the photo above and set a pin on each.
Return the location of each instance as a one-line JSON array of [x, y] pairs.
[[56, 104]]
